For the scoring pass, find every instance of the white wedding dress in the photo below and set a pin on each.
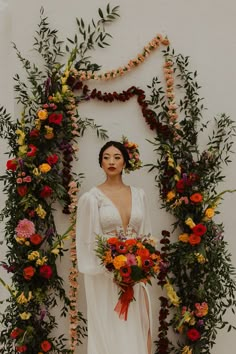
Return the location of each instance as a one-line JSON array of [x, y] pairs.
[[107, 333]]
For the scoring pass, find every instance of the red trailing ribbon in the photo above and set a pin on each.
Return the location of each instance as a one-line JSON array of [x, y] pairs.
[[122, 305]]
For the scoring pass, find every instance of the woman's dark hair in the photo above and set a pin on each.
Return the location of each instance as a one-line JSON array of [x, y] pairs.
[[120, 147]]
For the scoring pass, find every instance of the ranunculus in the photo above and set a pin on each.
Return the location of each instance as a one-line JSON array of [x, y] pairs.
[[21, 348], [46, 346], [184, 237], [46, 192], [42, 114], [194, 239], [119, 261], [170, 196], [112, 241], [45, 271], [22, 190], [143, 253], [16, 333], [55, 118], [201, 309], [196, 198], [44, 168], [28, 272], [193, 334], [12, 164], [130, 242], [32, 151], [25, 228], [52, 159], [199, 229], [36, 239], [34, 133]]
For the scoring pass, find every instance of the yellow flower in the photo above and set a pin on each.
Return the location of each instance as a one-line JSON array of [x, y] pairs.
[[23, 149], [40, 211], [200, 258], [21, 139], [42, 114], [178, 168], [184, 237], [44, 167], [37, 123], [36, 171], [20, 240], [190, 223], [139, 261], [64, 88], [119, 261], [22, 299], [55, 251], [41, 261], [25, 315], [170, 195], [186, 350], [209, 212], [171, 162], [33, 255], [176, 178], [174, 299]]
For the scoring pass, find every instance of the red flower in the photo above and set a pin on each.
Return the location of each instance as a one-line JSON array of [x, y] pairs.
[[121, 247], [143, 253], [196, 198], [55, 118], [12, 164], [193, 334], [28, 272], [180, 186], [125, 271], [46, 346], [32, 151], [45, 271], [194, 239], [112, 241], [21, 348], [36, 239], [199, 229], [130, 242], [46, 192], [22, 190], [34, 133], [16, 333], [52, 159], [147, 263]]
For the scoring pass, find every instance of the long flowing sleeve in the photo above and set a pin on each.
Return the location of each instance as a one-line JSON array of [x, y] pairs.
[[87, 227], [145, 227]]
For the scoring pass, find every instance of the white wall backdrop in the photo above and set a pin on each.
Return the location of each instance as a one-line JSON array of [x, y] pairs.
[[204, 30]]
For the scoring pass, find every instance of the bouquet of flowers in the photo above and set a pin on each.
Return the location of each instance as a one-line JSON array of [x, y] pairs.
[[131, 260]]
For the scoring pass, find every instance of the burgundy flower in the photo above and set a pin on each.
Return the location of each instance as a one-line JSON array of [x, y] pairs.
[[45, 271], [55, 118], [193, 334], [199, 229], [22, 190], [46, 192], [52, 159]]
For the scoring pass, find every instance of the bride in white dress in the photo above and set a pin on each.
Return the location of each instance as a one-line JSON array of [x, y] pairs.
[[108, 209]]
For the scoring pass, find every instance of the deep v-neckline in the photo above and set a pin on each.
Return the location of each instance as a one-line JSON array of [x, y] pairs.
[[117, 210]]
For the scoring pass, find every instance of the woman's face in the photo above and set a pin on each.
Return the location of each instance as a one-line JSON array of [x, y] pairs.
[[112, 161]]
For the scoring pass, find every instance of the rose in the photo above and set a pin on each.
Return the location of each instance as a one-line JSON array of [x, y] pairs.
[[34, 133], [22, 190], [32, 151], [55, 118], [44, 167], [28, 272], [21, 348], [42, 114], [196, 198], [12, 164], [46, 346], [36, 239], [143, 253], [210, 212], [52, 159], [45, 271], [180, 186], [16, 333], [199, 229], [184, 238], [46, 192], [194, 239], [193, 334]]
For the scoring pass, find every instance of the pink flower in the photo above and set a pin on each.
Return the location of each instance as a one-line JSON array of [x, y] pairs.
[[131, 259], [25, 228]]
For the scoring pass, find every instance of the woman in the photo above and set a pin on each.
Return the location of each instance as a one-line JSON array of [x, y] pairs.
[[108, 209]]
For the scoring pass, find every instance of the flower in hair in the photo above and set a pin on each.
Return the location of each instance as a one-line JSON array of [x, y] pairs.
[[134, 157]]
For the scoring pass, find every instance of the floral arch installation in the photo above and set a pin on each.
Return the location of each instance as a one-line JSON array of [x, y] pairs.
[[196, 271]]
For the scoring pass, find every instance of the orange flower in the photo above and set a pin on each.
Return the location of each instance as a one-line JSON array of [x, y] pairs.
[[184, 238], [119, 261], [194, 239], [143, 253], [196, 198], [112, 241], [46, 346], [130, 242], [42, 114], [28, 272]]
